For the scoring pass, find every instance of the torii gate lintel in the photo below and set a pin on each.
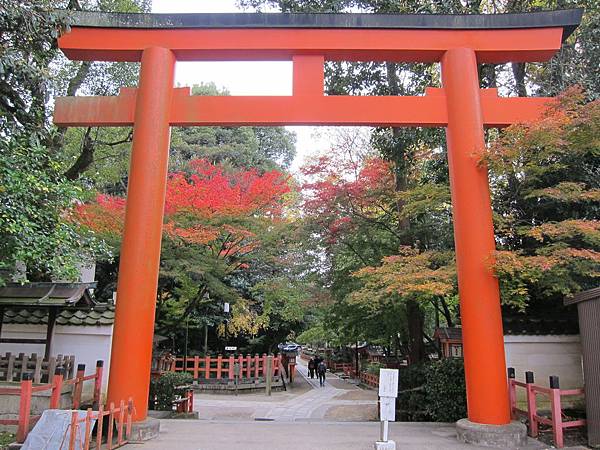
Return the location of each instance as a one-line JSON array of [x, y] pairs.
[[459, 43]]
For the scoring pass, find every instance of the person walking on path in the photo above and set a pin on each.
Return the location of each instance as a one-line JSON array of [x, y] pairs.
[[321, 369], [311, 368], [318, 359]]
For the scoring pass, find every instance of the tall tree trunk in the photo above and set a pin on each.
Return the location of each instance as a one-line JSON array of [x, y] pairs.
[[519, 70], [414, 315], [416, 347]]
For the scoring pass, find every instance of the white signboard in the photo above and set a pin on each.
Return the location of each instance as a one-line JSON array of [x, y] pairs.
[[387, 408], [230, 349], [388, 383]]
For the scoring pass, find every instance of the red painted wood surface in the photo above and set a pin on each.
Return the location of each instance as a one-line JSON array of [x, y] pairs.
[[492, 46], [219, 368], [555, 421], [27, 388], [188, 110]]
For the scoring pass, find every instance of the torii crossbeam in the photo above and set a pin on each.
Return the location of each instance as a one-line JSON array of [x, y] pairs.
[[459, 43]]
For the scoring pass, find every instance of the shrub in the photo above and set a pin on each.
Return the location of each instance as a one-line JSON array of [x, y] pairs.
[[165, 389], [373, 367], [433, 391], [445, 391], [411, 394]]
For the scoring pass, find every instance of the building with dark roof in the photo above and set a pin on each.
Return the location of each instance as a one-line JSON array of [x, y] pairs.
[[54, 319]]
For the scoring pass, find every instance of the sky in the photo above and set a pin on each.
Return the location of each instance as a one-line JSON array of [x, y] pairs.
[[242, 78]]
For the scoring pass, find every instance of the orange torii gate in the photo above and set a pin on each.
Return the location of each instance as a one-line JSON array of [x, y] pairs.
[[459, 43]]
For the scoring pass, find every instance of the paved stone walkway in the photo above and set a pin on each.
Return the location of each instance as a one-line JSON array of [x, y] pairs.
[[305, 401], [320, 435], [338, 416]]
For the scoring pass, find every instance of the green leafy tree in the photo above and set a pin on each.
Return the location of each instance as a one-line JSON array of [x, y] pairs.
[[265, 148], [547, 202], [34, 195]]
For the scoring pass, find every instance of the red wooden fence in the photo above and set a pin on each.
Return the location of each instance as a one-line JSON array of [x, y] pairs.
[[26, 390], [225, 367], [554, 393], [121, 417], [369, 379]]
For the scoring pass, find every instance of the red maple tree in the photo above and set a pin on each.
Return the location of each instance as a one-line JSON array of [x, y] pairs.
[[204, 207]]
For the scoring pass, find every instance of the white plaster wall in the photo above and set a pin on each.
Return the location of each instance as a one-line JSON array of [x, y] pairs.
[[544, 356], [88, 343]]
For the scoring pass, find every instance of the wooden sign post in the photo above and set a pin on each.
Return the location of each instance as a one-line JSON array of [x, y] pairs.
[[388, 391]]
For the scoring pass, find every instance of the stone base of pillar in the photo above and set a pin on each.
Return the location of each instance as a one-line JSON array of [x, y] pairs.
[[512, 435], [389, 445], [145, 430]]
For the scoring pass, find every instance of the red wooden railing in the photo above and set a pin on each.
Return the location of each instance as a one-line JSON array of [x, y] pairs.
[[341, 367], [370, 379], [121, 417], [554, 393], [186, 403], [26, 390], [224, 367]]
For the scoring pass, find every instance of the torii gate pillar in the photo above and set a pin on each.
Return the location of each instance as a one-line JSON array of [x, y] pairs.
[[131, 354], [480, 313]]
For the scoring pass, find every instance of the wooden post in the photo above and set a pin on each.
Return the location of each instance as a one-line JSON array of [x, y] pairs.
[[512, 394], [206, 367], [219, 368], [1, 319], [24, 408], [50, 332], [256, 366], [129, 417], [268, 375], [37, 373], [57, 383], [356, 360], [98, 383], [190, 394], [121, 422], [100, 423], [231, 365], [111, 424], [78, 385], [24, 362], [556, 408], [88, 428], [10, 368], [74, 427], [531, 405], [263, 367]]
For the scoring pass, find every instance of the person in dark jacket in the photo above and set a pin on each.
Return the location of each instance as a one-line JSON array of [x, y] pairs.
[[311, 367], [321, 370], [318, 359]]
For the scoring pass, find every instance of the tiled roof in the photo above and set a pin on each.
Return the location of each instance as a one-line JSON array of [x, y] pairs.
[[454, 334], [46, 294], [523, 325], [97, 317], [542, 326]]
